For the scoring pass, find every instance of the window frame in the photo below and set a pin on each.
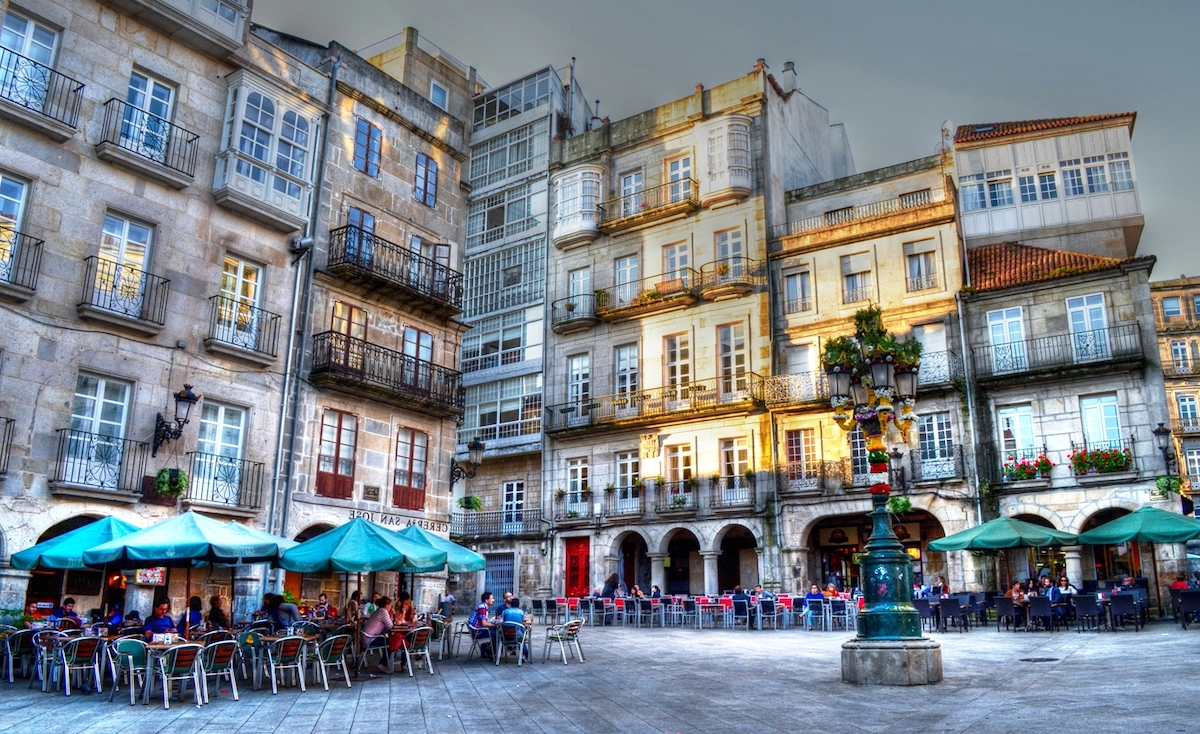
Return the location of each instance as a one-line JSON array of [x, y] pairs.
[[1178, 306], [335, 484], [368, 147], [425, 181], [435, 86], [802, 291], [410, 495]]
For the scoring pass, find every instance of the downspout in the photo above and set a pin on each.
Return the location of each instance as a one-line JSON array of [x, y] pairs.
[[947, 182]]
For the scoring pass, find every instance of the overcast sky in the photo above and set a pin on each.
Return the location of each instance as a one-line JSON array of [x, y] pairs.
[[891, 71]]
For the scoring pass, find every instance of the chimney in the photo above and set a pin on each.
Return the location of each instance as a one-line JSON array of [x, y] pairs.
[[787, 79]]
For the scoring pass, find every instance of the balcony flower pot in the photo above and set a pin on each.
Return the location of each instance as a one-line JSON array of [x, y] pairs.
[[470, 502], [668, 287], [723, 269], [678, 501], [570, 306], [559, 494], [170, 482], [610, 488]]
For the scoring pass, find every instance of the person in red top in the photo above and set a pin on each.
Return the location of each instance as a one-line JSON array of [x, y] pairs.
[[1180, 582]]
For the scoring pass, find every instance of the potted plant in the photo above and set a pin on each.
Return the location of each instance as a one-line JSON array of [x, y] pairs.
[[586, 491], [569, 305], [749, 475], [1171, 484], [679, 500], [560, 493], [572, 514], [601, 299], [691, 483], [610, 488], [723, 269], [899, 505], [170, 482], [638, 486], [714, 480], [1043, 465], [470, 502]]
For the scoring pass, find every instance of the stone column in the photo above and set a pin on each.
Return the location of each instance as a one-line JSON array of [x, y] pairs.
[[1074, 564], [247, 582], [762, 572], [138, 598], [657, 572], [710, 572], [1169, 559], [13, 585], [611, 566]]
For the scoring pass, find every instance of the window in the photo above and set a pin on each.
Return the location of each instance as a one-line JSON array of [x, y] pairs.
[[439, 95], [797, 292], [677, 362], [1048, 186], [579, 282], [579, 383], [520, 96], [502, 409], [1015, 426], [221, 13], [1192, 462], [1089, 327], [677, 460], [12, 209], [504, 279], [729, 252], [360, 241], [856, 277], [1006, 333], [218, 468], [800, 447], [631, 194], [514, 507], [506, 214], [1028, 189], [425, 183], [731, 361], [1122, 176], [121, 266], [95, 448], [577, 481], [418, 343], [1072, 177], [717, 153], [577, 198], [271, 140], [625, 371], [921, 275], [629, 471], [145, 125], [679, 175], [368, 145], [1188, 414], [412, 456], [935, 441], [496, 341], [735, 460], [1097, 183], [973, 198], [676, 262], [1101, 424], [1179, 356], [511, 154], [26, 86], [349, 320], [860, 467], [628, 275], [1171, 307], [1196, 306], [335, 465], [739, 150], [417, 372], [238, 317], [1000, 191]]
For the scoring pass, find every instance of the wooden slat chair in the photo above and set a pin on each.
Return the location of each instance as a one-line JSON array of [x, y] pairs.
[[286, 653], [566, 636], [80, 655], [218, 661], [332, 654], [417, 647], [179, 664]]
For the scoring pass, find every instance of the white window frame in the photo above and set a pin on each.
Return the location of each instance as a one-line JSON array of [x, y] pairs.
[[434, 88], [1180, 357], [14, 194], [1015, 433], [735, 460], [1100, 416], [676, 259], [1189, 412], [733, 361], [628, 466], [1088, 317], [578, 501], [218, 460], [677, 362], [632, 185], [1177, 311], [513, 507], [1006, 336], [513, 154], [99, 419], [503, 409], [679, 174], [797, 288]]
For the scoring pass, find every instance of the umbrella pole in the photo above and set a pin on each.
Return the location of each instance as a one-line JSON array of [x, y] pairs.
[[1157, 585], [187, 609], [232, 595]]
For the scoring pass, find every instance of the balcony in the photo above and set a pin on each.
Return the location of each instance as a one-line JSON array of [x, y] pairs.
[[573, 314], [668, 201], [1064, 354], [573, 508], [808, 476], [1187, 427], [856, 295], [147, 145], [1103, 462], [627, 503], [798, 305], [367, 370], [214, 27], [1181, 367], [916, 283], [657, 294], [937, 464], [123, 295], [92, 466], [20, 261], [361, 257], [699, 398], [494, 525], [224, 484], [732, 277], [38, 97], [880, 218], [677, 498], [854, 473], [732, 493], [939, 368], [242, 331], [6, 436], [808, 389]]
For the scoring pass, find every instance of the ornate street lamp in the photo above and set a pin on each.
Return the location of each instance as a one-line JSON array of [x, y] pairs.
[[1162, 435], [474, 458], [165, 430]]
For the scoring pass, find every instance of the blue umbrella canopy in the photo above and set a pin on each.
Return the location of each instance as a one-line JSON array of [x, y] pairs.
[[181, 541], [66, 551], [360, 546], [458, 558]]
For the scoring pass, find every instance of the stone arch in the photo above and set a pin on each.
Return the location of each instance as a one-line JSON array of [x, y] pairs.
[[614, 546], [313, 530], [830, 509], [1028, 508], [664, 539], [715, 546], [1086, 512]]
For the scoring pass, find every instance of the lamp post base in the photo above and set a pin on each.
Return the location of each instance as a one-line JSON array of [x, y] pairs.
[[891, 662]]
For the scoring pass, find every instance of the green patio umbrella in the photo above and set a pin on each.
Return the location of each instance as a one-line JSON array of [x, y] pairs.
[[1001, 534], [66, 551], [360, 546], [458, 558], [1145, 525], [253, 532], [183, 541]]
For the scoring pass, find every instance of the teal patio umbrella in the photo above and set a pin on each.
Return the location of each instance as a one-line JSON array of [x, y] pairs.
[[458, 558], [66, 551], [1001, 534], [282, 543], [183, 541], [1145, 525], [360, 546]]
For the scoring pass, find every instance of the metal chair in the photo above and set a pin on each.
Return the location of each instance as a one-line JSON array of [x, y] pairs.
[[513, 636], [768, 611], [952, 613], [250, 652], [416, 645], [127, 658], [539, 610], [79, 655], [1189, 605], [477, 635], [1087, 612], [179, 664], [45, 643], [688, 610], [1041, 613], [1122, 607], [1005, 610], [286, 653], [217, 661], [19, 646], [814, 613], [739, 615], [306, 628], [838, 611], [566, 636], [553, 610], [214, 636], [925, 612], [332, 654]]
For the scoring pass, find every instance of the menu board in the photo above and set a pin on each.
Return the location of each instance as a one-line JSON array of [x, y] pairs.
[[156, 576]]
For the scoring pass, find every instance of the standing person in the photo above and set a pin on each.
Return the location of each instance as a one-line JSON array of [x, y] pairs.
[[377, 625], [449, 599], [610, 587], [216, 615], [160, 622]]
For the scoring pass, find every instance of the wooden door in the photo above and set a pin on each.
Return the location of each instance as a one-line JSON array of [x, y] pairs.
[[577, 555]]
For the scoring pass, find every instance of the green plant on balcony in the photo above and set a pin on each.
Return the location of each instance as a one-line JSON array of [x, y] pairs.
[[570, 306], [610, 488], [749, 474], [470, 502], [691, 483], [679, 500], [601, 299], [723, 269], [560, 493], [572, 514], [170, 482], [1101, 461]]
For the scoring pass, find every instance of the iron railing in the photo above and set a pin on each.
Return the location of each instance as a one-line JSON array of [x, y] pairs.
[[999, 465], [572, 308], [798, 305], [39, 88], [939, 367], [855, 472], [733, 272], [20, 259], [1181, 367], [677, 496], [6, 437], [1185, 425], [234, 322], [938, 462], [648, 292], [624, 501], [732, 492], [496, 524], [799, 388], [358, 361], [100, 462], [150, 137], [505, 429], [853, 213], [224, 480], [573, 507], [698, 396], [652, 200], [921, 282], [1058, 351], [854, 295], [807, 475], [125, 290], [362, 253]]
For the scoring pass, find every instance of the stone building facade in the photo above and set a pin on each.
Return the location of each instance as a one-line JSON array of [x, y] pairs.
[[1176, 304]]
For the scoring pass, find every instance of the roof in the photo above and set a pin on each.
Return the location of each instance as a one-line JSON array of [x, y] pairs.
[[1008, 264], [987, 130]]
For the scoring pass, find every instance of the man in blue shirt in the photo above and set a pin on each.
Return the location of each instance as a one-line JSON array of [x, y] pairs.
[[513, 614], [66, 611], [160, 623], [479, 623]]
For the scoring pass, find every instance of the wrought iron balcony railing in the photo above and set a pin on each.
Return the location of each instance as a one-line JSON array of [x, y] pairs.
[[807, 475], [698, 396], [854, 295], [1103, 457], [354, 252], [652, 201], [26, 83], [574, 506], [939, 368], [125, 290], [804, 387], [239, 324], [677, 496], [853, 213], [649, 295], [1186, 425], [739, 274], [936, 463], [921, 282], [150, 137], [624, 502], [1081, 348], [798, 305], [496, 524], [357, 362], [6, 436], [572, 309], [224, 480], [20, 259], [100, 462], [732, 492]]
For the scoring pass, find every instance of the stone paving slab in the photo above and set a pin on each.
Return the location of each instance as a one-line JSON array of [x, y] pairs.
[[674, 680]]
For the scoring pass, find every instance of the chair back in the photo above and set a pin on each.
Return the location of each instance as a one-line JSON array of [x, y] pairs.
[[816, 605], [133, 650], [418, 639], [951, 608], [741, 608], [572, 628], [766, 607], [333, 648], [645, 607], [1189, 601], [286, 650], [924, 609], [1039, 606], [837, 607], [537, 606], [20, 643], [1086, 606], [512, 631], [1005, 607], [689, 606], [218, 656], [1123, 604], [80, 650], [551, 606], [180, 659], [306, 628], [68, 623], [215, 636], [261, 625]]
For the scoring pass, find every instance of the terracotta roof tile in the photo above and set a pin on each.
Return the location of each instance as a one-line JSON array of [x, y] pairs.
[[1009, 264], [986, 130]]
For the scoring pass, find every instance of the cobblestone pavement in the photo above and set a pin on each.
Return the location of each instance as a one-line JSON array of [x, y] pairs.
[[654, 680]]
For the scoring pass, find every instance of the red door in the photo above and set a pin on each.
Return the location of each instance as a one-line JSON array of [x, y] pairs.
[[577, 566]]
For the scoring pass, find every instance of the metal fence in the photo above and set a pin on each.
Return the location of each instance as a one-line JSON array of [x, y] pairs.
[[1058, 351], [354, 249], [496, 524], [100, 462], [20, 259], [224, 480], [125, 290], [150, 137], [356, 360], [732, 492], [39, 88], [648, 201], [234, 322], [697, 396]]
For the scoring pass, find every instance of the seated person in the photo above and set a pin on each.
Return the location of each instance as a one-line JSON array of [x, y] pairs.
[[1180, 582], [66, 611], [115, 618], [941, 584], [830, 591], [814, 592], [377, 626], [1019, 597], [193, 616], [480, 623], [762, 594], [513, 614], [655, 592], [323, 609], [31, 615], [160, 623], [740, 597], [216, 615], [286, 613]]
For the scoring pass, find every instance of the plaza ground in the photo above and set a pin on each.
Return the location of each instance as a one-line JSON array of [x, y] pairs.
[[673, 680]]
